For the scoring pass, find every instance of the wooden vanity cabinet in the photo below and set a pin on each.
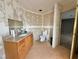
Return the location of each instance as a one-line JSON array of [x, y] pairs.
[[29, 42], [11, 50], [18, 50], [21, 49]]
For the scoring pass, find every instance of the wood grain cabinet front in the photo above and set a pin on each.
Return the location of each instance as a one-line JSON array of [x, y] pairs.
[[18, 50], [29, 42], [22, 49]]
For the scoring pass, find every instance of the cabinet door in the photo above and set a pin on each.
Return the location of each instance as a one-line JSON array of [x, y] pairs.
[[21, 49], [10, 50], [31, 40], [28, 42]]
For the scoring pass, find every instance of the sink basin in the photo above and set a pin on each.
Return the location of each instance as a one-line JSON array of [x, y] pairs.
[[22, 35]]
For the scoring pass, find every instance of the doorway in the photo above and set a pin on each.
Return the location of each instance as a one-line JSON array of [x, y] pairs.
[[67, 24], [66, 32]]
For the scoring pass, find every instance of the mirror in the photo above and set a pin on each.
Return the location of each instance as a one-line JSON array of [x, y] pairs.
[[15, 25]]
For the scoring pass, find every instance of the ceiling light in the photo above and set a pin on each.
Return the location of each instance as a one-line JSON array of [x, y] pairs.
[[40, 10]]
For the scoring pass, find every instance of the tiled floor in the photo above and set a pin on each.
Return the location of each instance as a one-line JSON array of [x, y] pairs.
[[45, 51]]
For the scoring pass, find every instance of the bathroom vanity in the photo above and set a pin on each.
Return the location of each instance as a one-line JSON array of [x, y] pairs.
[[18, 47]]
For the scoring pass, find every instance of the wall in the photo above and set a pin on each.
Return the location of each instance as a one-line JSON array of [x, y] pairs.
[[33, 22], [48, 23], [68, 14], [11, 9], [56, 26], [3, 21]]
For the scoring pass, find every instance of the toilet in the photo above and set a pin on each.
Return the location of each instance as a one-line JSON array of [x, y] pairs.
[[44, 36]]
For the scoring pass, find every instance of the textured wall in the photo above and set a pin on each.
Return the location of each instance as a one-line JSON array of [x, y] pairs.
[[10, 9], [3, 20], [56, 26], [48, 23], [33, 22], [68, 14]]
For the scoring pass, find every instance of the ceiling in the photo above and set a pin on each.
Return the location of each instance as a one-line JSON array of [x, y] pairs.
[[45, 5]]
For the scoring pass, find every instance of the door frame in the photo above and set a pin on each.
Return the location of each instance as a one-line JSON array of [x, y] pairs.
[[75, 32]]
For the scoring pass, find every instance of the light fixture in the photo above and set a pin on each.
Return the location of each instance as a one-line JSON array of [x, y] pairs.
[[40, 10]]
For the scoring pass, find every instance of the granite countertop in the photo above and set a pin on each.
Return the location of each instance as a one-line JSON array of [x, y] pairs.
[[9, 38]]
